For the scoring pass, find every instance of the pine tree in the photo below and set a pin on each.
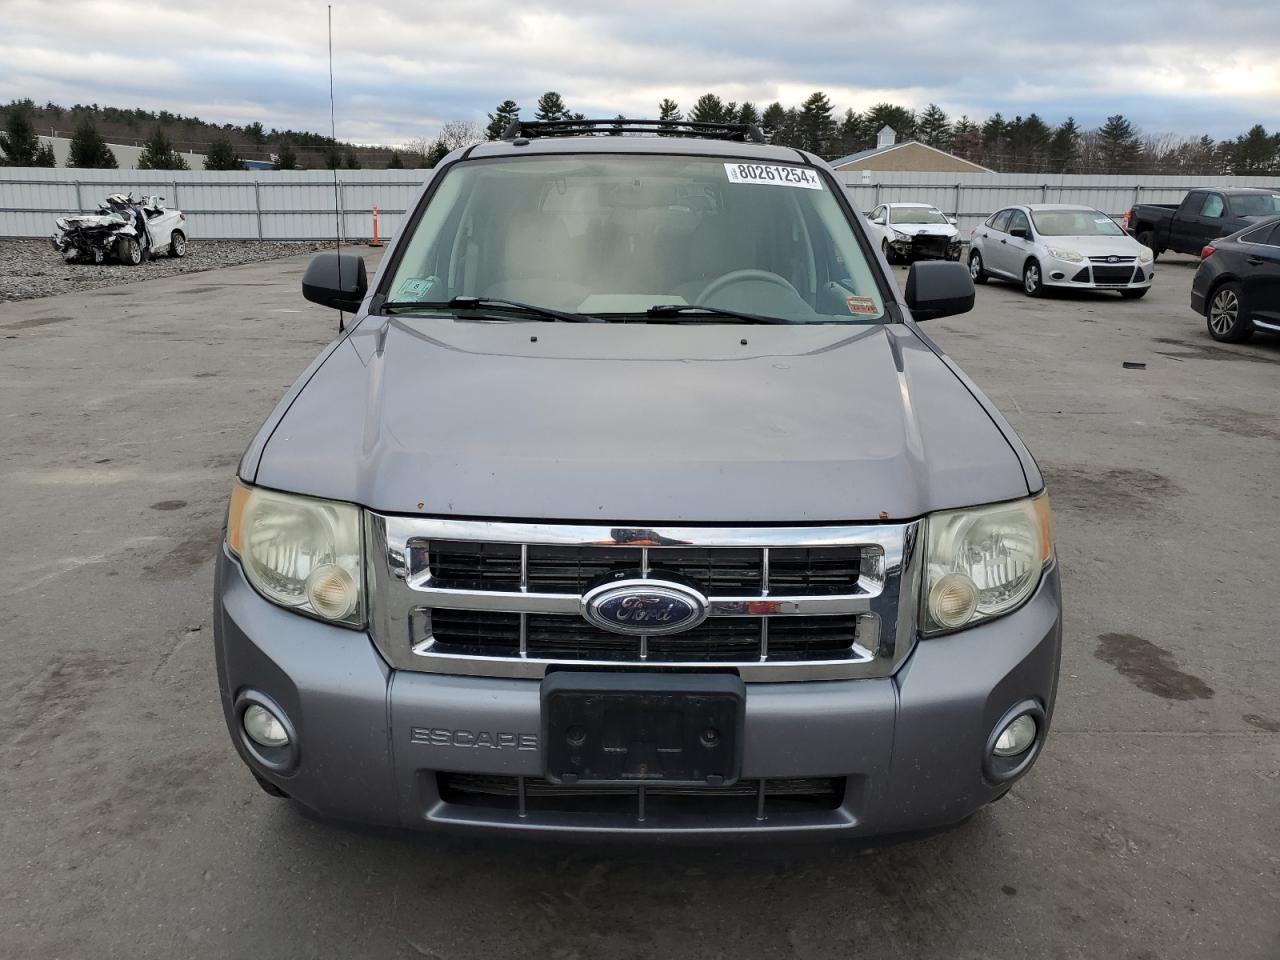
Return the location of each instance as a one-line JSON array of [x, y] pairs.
[[158, 154], [44, 156], [506, 113], [616, 126], [18, 140], [817, 129], [901, 119], [286, 159], [395, 163], [933, 128], [850, 133], [222, 155], [966, 139], [747, 113], [352, 162], [788, 133], [1064, 147], [707, 109], [774, 116], [550, 107], [1119, 145], [1254, 153], [1031, 144], [88, 149], [439, 150]]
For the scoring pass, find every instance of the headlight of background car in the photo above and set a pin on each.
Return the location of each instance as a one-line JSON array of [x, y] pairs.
[[300, 552], [1061, 253], [1145, 255], [983, 562], [899, 235]]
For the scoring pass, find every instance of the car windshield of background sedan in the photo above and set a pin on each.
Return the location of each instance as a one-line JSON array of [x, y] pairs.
[[915, 215], [1075, 223], [613, 236], [1255, 204]]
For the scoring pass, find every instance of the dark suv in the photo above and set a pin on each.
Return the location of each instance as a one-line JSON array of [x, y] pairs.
[[635, 500]]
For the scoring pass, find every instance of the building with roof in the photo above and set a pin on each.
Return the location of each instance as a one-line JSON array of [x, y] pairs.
[[888, 154]]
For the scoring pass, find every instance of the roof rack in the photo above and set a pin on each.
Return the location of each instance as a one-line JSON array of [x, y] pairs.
[[740, 132]]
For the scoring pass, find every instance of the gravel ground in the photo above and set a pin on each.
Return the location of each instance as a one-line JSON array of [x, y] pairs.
[[32, 268]]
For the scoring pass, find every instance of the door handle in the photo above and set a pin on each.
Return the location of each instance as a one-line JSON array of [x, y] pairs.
[[1254, 261], [1004, 241]]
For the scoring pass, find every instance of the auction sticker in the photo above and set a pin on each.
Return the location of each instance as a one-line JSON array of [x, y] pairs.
[[773, 174], [863, 305]]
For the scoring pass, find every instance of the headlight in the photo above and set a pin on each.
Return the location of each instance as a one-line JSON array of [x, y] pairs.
[[1145, 255], [983, 562], [898, 235], [1060, 253], [300, 552]]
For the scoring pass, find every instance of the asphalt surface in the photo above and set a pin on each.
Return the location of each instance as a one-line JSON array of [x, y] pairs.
[[1149, 829]]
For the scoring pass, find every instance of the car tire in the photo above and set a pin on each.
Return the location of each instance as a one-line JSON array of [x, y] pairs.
[[1225, 315], [976, 269], [1134, 294], [177, 244], [129, 252], [1032, 279], [888, 254]]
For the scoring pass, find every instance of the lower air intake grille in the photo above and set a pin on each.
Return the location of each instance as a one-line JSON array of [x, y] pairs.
[[1112, 274]]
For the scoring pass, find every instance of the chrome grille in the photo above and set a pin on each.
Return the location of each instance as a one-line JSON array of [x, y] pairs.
[[505, 599]]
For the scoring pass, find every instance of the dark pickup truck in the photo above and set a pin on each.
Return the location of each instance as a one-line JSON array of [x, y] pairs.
[[1203, 215]]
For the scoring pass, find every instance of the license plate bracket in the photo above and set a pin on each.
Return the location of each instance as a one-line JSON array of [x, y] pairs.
[[615, 729]]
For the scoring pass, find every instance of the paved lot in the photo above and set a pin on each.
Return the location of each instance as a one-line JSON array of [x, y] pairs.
[[1150, 828]]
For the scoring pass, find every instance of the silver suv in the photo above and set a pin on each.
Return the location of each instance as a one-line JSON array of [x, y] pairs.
[[634, 500]]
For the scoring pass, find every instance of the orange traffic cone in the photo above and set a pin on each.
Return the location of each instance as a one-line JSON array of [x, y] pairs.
[[375, 242]]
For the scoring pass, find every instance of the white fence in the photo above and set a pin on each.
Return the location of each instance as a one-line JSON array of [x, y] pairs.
[[300, 204], [232, 204]]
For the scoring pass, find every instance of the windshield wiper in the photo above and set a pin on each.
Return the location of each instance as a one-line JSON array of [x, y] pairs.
[[681, 310], [487, 303]]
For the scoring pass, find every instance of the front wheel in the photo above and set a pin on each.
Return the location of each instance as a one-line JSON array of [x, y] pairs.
[[178, 244], [129, 251], [1134, 294], [888, 254], [976, 269], [1032, 279], [1225, 316]]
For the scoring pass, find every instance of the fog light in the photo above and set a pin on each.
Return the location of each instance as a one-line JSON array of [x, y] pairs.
[[1017, 737], [264, 727], [953, 600]]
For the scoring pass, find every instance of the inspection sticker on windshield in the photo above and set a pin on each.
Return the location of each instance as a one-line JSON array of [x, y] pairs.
[[862, 305], [772, 174]]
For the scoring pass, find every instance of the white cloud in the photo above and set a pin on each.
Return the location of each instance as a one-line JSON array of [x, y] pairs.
[[404, 67]]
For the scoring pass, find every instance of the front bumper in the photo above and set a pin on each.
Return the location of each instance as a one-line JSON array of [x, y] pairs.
[[371, 741], [927, 248], [1083, 275]]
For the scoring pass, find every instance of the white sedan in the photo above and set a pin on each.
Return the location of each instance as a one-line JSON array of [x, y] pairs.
[[914, 231], [1043, 245]]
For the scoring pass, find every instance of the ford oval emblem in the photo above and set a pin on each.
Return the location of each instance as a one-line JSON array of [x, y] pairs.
[[1113, 259], [649, 607]]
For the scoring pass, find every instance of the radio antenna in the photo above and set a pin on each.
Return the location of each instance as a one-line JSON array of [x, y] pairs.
[[333, 135]]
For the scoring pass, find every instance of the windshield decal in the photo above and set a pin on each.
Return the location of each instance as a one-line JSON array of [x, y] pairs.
[[774, 175], [414, 288], [863, 305]]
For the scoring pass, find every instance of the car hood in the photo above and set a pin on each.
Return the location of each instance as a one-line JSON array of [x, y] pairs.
[[638, 422], [1124, 246]]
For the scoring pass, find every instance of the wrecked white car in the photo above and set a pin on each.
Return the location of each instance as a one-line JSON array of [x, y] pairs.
[[127, 229]]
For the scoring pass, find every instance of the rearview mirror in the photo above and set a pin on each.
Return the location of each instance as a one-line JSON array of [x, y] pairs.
[[939, 288], [336, 280], [1022, 233]]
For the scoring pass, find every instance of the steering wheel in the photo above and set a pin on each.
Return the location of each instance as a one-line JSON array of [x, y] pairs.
[[743, 276]]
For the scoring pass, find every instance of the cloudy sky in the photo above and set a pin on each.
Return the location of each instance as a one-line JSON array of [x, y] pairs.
[[402, 67]]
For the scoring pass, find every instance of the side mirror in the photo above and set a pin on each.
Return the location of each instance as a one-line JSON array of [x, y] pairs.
[[952, 220], [336, 280], [1022, 233], [939, 288]]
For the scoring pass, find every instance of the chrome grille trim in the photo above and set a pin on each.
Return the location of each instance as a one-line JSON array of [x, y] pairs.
[[401, 589]]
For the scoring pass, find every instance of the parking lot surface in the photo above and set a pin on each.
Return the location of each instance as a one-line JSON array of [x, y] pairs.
[[1149, 829]]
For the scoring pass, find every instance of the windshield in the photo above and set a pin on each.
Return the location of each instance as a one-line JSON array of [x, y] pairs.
[[1075, 223], [1255, 204], [616, 235], [915, 215]]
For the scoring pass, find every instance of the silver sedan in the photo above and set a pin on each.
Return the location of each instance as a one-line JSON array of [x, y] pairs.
[[1043, 245]]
